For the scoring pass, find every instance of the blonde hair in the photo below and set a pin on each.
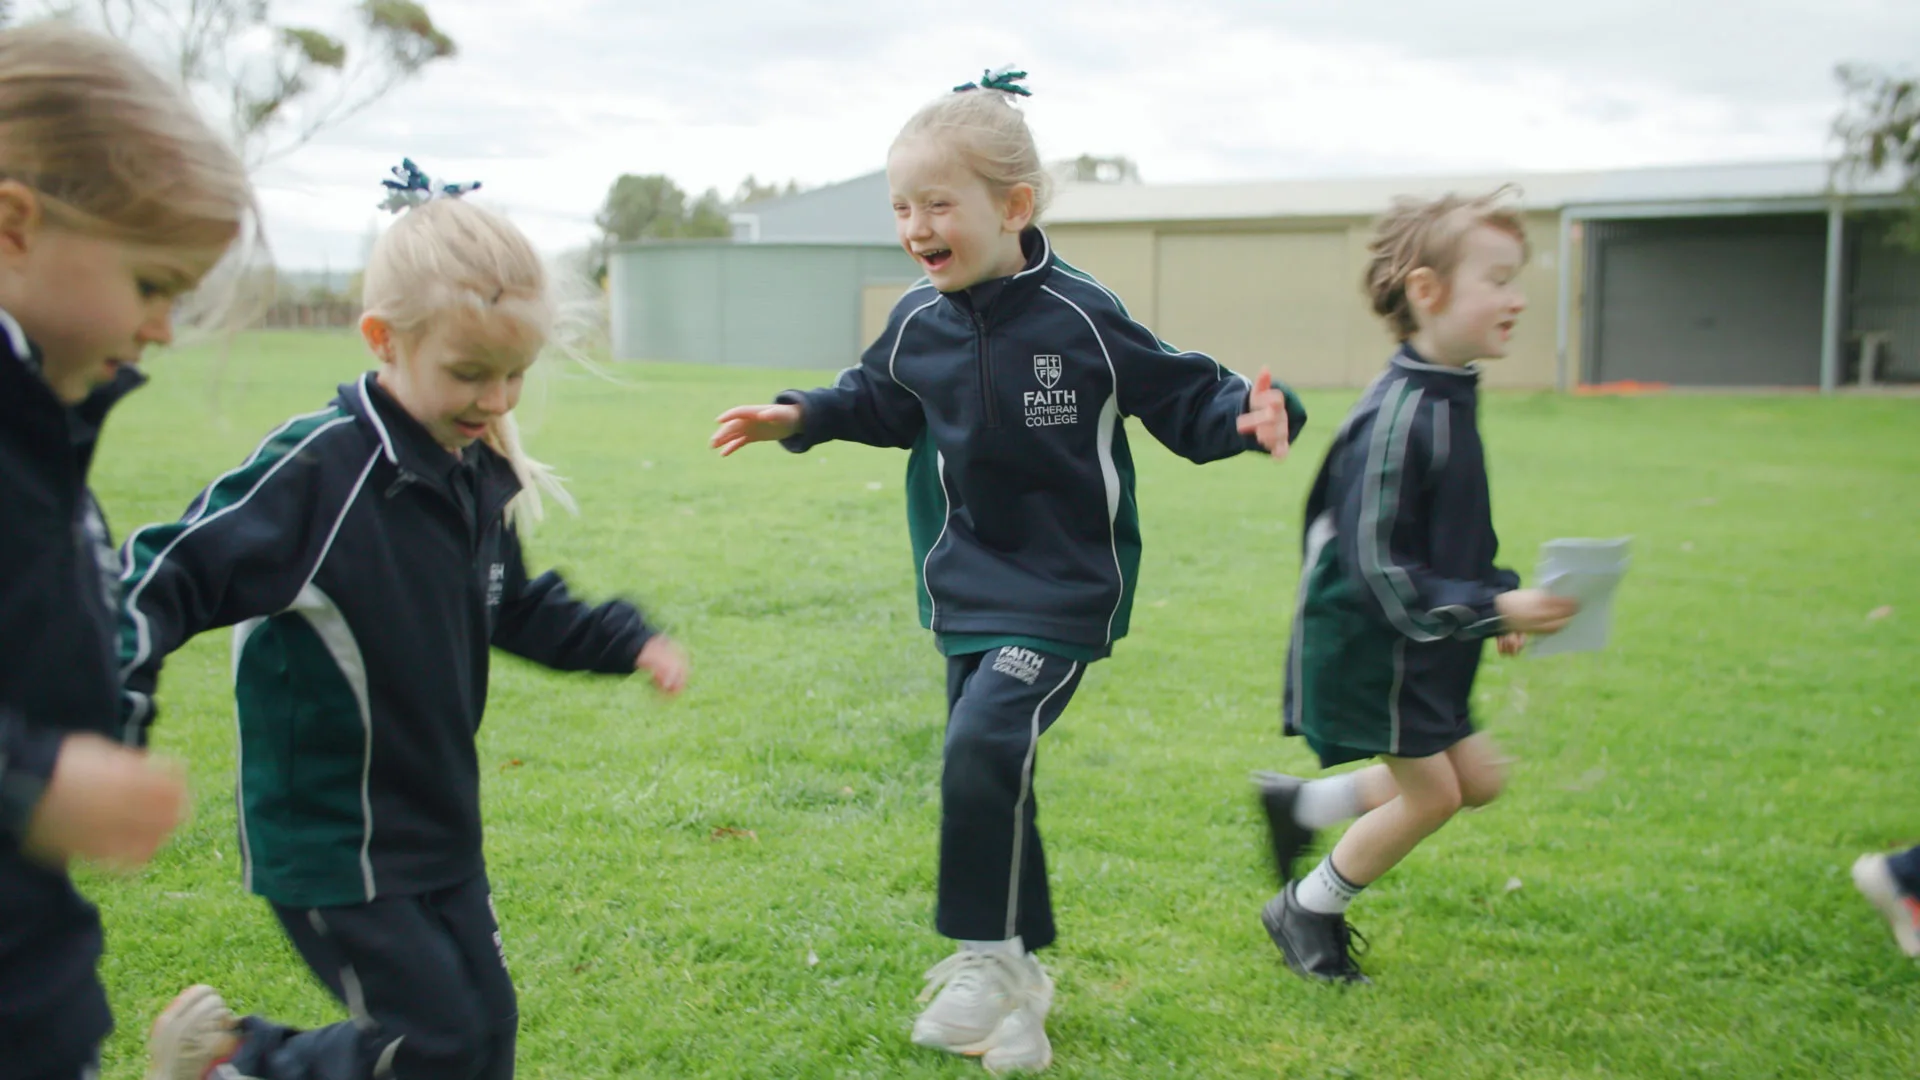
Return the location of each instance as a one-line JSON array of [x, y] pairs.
[[114, 150], [451, 266], [1429, 233], [990, 134]]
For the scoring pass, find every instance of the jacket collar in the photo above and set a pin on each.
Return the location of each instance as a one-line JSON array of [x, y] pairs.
[[1451, 382], [992, 301], [87, 418], [32, 404], [17, 343], [406, 444]]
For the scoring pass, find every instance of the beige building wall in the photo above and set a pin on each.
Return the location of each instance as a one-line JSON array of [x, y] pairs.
[[1283, 294], [876, 303], [1577, 308], [1255, 299], [1288, 294], [1369, 342], [1121, 257]]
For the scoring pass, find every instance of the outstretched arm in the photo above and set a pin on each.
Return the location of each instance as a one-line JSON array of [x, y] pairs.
[[541, 620]]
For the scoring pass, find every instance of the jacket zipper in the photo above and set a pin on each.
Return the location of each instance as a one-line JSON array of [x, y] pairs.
[[987, 396], [475, 531], [405, 479]]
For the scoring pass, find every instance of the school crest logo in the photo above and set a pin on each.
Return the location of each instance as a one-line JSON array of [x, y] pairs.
[[1050, 407]]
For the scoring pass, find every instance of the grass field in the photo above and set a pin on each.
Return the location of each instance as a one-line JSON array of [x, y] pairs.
[[739, 883]]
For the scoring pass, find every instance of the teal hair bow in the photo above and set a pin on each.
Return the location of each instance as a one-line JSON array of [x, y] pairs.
[[1006, 80], [414, 187]]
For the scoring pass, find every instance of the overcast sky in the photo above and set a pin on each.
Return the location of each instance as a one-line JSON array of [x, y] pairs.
[[547, 103]]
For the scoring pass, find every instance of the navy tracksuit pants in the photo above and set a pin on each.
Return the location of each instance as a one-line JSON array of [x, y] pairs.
[[1905, 868], [424, 979], [993, 874], [88, 1071]]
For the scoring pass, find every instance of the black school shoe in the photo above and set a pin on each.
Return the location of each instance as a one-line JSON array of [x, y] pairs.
[[1278, 794], [1317, 947]]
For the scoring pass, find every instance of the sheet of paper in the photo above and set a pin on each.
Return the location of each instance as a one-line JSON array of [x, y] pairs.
[[1588, 571]]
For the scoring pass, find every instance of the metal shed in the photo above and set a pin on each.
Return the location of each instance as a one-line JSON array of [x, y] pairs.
[[771, 305], [1745, 275]]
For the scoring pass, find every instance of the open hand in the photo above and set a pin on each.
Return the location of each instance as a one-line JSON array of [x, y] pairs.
[[1511, 644], [754, 423]]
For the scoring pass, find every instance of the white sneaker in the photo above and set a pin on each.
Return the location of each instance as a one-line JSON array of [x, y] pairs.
[[1875, 882], [193, 1038], [978, 992], [1020, 1042]]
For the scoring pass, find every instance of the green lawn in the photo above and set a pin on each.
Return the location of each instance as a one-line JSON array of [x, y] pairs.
[[740, 883]]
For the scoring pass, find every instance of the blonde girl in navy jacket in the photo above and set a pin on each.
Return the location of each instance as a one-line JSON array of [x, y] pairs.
[[1010, 376], [368, 556], [116, 200]]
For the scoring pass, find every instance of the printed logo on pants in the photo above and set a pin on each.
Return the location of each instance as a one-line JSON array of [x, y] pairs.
[[1018, 663], [499, 945]]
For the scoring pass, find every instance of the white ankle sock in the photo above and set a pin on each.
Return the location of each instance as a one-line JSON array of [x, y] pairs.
[[1324, 891], [1327, 802], [1012, 946]]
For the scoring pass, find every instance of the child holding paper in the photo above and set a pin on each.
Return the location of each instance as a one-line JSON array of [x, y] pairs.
[[1398, 586]]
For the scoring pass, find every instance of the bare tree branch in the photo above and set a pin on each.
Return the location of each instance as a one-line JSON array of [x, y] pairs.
[[1879, 132], [281, 85]]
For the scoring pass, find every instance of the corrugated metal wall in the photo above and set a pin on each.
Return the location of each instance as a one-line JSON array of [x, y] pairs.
[[770, 305], [1732, 301]]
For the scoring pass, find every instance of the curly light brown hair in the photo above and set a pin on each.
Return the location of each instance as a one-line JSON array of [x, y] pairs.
[[1430, 233]]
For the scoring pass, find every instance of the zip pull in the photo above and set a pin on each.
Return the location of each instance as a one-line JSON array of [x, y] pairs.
[[399, 483]]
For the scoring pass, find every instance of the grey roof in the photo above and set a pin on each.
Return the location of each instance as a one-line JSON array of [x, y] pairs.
[[855, 211], [1362, 196]]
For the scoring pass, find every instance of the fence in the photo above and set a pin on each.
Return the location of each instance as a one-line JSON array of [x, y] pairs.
[[306, 315]]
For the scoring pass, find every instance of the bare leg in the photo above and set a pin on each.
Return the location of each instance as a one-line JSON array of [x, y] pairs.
[[1375, 786], [1429, 796], [1477, 761], [1481, 768]]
